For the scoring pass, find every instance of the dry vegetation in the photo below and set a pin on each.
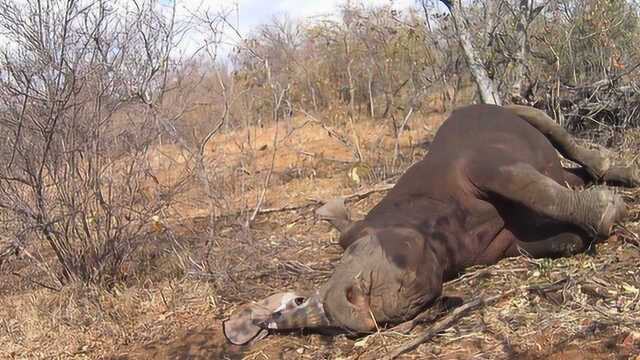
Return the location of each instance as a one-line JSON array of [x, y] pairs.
[[145, 193]]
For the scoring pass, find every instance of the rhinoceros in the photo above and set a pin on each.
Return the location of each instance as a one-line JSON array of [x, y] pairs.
[[491, 186]]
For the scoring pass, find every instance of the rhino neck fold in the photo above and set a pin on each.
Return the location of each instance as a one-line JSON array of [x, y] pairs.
[[444, 234]]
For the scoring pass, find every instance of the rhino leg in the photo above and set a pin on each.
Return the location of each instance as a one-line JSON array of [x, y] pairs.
[[563, 244], [576, 177], [623, 176], [596, 163], [594, 210], [336, 213]]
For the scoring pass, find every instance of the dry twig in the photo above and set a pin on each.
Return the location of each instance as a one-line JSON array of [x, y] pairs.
[[446, 323], [458, 313]]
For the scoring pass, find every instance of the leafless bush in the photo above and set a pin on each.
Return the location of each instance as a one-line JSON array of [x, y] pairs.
[[79, 84]]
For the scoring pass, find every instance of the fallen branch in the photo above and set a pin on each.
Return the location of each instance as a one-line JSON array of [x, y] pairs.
[[282, 208], [313, 155], [541, 290], [442, 306], [595, 291], [446, 323], [358, 195], [457, 314], [17, 274], [366, 192]]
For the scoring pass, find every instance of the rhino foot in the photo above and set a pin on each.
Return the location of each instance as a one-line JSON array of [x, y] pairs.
[[613, 210]]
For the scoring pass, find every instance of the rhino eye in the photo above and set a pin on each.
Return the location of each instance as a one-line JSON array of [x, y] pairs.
[[299, 301]]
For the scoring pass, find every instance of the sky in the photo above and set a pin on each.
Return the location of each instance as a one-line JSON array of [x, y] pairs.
[[252, 13], [249, 15], [256, 12]]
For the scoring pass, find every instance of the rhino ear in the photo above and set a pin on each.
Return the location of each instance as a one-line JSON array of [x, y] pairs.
[[240, 330], [360, 301], [336, 213], [243, 326], [357, 297]]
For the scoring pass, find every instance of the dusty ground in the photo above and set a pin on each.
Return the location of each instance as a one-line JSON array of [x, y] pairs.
[[198, 270]]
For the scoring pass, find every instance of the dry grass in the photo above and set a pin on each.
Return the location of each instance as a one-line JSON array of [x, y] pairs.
[[185, 283]]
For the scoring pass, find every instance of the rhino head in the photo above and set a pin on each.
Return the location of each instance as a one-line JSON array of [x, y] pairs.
[[387, 275]]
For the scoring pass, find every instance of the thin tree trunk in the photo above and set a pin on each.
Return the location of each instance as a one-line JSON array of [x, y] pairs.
[[521, 36], [486, 87], [352, 90], [371, 106], [314, 101]]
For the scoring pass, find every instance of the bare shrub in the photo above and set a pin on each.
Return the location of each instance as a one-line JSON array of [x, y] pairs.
[[79, 85]]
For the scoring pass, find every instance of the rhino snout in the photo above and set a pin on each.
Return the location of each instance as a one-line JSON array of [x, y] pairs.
[[297, 312]]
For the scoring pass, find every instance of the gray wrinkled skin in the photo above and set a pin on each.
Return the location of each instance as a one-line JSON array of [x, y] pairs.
[[369, 287]]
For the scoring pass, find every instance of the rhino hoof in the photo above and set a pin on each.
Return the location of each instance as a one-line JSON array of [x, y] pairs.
[[615, 210]]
